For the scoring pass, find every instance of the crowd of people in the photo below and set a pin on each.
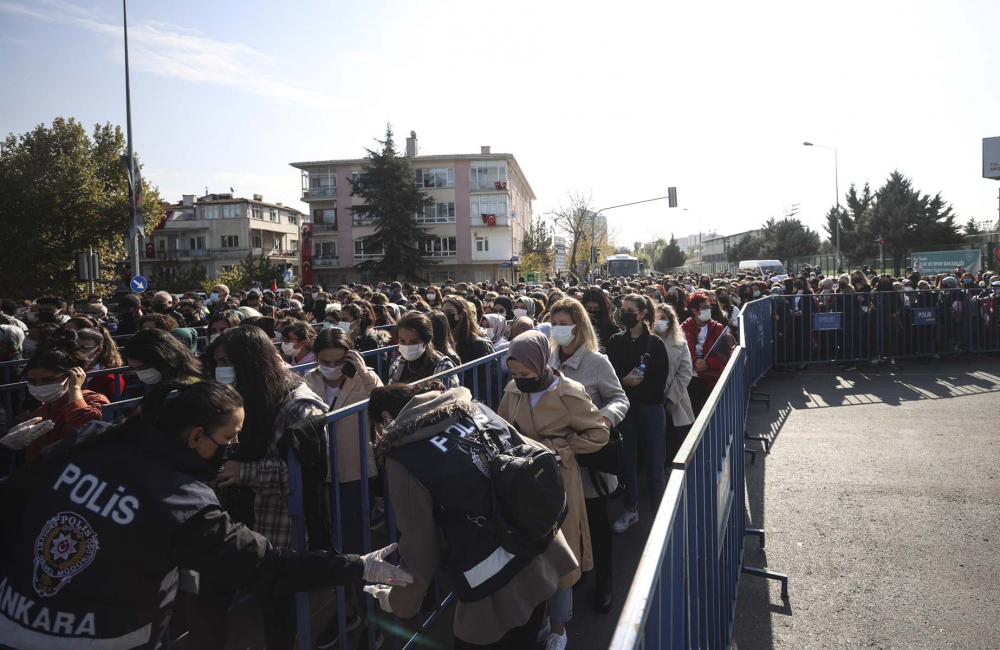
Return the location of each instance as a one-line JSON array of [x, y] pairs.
[[608, 376]]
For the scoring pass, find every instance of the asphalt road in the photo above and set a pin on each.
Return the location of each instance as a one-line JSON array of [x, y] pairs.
[[881, 501]]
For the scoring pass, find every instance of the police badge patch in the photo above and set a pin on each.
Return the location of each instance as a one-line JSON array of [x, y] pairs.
[[65, 547]]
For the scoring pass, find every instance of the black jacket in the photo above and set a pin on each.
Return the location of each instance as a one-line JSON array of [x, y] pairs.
[[308, 442], [94, 531], [625, 353]]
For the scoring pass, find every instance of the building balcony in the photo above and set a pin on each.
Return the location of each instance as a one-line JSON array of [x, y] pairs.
[[316, 193], [358, 221], [491, 220], [488, 186], [497, 256], [325, 261], [277, 252], [324, 227], [229, 253]]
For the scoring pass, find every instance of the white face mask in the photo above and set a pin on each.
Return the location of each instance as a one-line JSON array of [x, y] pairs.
[[522, 292], [288, 349], [212, 338], [149, 376], [563, 334], [412, 352], [430, 297], [315, 295], [332, 372], [520, 312], [756, 294], [660, 326], [225, 375], [705, 315], [345, 325], [488, 332], [49, 393], [213, 298]]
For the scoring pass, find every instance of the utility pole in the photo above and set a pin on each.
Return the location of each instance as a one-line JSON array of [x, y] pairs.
[[593, 227], [134, 232]]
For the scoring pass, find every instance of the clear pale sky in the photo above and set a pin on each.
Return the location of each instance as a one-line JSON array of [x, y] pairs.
[[613, 100]]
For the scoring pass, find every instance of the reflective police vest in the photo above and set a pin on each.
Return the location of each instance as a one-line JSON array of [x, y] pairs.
[[88, 565], [459, 481]]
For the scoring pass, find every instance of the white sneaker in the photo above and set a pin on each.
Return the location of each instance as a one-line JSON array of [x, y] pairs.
[[556, 641], [628, 519], [543, 633]]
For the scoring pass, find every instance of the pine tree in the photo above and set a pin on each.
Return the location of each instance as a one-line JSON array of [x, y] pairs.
[[671, 256], [785, 239], [537, 248], [391, 201], [745, 248]]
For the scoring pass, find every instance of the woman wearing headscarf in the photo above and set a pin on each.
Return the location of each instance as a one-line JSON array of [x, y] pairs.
[[503, 306], [520, 326], [556, 411], [495, 327]]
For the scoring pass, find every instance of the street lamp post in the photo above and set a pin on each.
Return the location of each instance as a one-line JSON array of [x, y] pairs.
[[593, 230], [836, 185]]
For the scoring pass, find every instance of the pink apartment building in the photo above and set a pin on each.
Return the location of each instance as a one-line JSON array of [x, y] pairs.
[[480, 216]]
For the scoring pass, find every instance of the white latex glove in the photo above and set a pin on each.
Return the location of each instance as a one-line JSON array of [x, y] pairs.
[[378, 570], [26, 433], [381, 592]]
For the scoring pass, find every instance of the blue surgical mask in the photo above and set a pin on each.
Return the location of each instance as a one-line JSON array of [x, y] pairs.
[[225, 375]]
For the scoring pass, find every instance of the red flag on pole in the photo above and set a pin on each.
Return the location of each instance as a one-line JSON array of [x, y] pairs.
[[274, 286]]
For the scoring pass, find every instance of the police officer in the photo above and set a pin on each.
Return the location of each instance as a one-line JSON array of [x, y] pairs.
[[94, 531]]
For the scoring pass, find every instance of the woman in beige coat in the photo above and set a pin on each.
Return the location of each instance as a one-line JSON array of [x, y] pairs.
[[334, 350], [677, 402], [556, 411]]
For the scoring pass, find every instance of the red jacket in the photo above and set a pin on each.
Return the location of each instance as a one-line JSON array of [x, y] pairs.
[[105, 385], [718, 359], [68, 418]]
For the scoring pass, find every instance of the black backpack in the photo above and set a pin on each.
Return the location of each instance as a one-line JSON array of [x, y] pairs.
[[529, 499]]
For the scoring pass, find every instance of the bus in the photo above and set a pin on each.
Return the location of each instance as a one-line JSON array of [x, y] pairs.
[[619, 266]]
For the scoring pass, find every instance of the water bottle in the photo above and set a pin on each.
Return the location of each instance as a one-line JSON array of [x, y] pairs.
[[641, 370]]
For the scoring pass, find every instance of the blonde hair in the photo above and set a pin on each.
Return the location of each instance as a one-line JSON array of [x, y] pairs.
[[666, 312], [585, 335]]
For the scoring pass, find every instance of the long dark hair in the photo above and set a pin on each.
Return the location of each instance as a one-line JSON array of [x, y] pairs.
[[109, 357], [60, 351], [160, 350], [206, 404], [360, 310], [593, 294], [261, 379]]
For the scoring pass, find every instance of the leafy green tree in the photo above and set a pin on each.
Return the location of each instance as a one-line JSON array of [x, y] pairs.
[[537, 248], [63, 191], [671, 255], [250, 269], [178, 277], [391, 199], [745, 248], [785, 239]]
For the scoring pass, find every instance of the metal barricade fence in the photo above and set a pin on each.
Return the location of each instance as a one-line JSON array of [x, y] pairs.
[[11, 369], [685, 588], [485, 388], [872, 326]]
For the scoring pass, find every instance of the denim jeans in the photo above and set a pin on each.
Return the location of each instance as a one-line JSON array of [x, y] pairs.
[[645, 425], [561, 606]]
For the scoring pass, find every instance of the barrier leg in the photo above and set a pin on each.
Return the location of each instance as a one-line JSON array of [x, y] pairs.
[[770, 575]]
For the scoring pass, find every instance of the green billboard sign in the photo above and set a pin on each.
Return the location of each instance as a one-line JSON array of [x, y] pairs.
[[947, 261]]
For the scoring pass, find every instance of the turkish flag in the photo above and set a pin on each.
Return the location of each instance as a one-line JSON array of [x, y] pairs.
[[493, 220], [150, 251]]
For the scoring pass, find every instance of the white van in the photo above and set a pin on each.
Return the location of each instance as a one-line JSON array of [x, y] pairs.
[[763, 267]]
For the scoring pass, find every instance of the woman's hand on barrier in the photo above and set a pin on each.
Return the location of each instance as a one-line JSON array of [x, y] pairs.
[[700, 365], [378, 570], [229, 474], [381, 593]]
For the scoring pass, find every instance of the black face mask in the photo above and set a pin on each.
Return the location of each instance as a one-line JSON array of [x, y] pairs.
[[187, 315], [160, 308], [671, 298], [630, 320], [222, 453], [453, 320], [723, 299], [527, 384]]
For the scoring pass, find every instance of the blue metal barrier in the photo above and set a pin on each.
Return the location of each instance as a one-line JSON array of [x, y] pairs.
[[481, 390], [889, 325], [9, 389]]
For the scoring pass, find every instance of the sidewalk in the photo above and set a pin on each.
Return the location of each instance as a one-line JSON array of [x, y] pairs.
[[881, 501]]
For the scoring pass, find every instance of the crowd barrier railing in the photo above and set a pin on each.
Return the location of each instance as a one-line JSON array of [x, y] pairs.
[[875, 326], [483, 390]]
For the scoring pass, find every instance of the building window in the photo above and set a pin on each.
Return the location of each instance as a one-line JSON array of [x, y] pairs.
[[256, 211], [361, 254], [441, 247], [294, 244], [256, 241], [482, 244], [485, 204], [358, 220], [196, 243], [209, 211], [486, 174], [230, 241], [228, 268], [325, 250], [440, 277], [319, 182], [273, 215], [325, 219], [436, 177], [293, 219], [231, 211], [369, 278], [437, 213]]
